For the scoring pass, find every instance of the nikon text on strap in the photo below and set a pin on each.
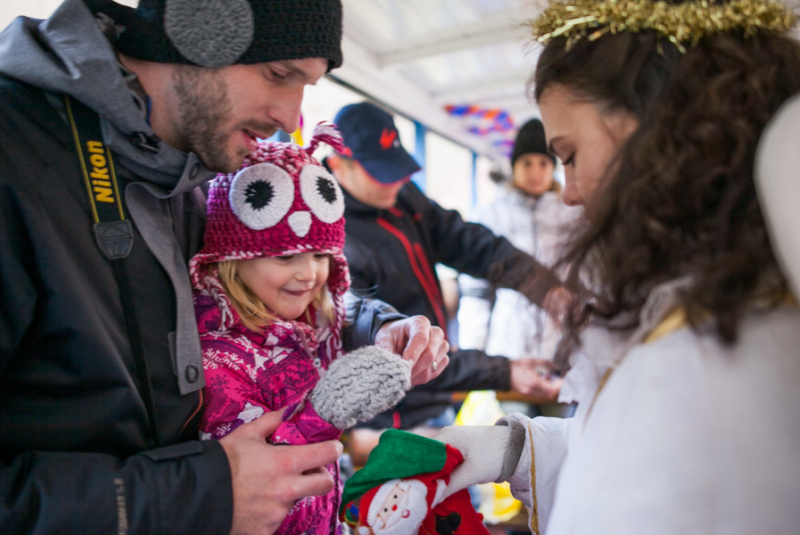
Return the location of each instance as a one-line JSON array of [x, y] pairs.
[[112, 231]]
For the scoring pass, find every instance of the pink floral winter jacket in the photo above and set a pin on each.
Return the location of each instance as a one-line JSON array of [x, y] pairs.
[[249, 373]]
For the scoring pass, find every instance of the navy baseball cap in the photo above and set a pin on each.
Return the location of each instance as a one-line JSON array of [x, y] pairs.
[[371, 138]]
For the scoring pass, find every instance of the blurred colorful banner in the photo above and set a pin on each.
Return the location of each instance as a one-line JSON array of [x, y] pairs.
[[494, 124]]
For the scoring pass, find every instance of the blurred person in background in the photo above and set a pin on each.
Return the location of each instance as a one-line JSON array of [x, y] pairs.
[[529, 212]]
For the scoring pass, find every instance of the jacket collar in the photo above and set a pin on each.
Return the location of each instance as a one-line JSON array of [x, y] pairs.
[[354, 206]]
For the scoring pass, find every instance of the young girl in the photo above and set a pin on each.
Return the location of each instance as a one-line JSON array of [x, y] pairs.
[[270, 283], [688, 374]]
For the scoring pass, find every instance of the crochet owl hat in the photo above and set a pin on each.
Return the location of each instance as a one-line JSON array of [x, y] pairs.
[[281, 202]]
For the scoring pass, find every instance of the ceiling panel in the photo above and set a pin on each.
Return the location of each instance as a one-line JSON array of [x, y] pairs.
[[421, 55]]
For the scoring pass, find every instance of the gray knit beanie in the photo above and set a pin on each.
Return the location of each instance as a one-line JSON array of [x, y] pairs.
[[215, 33]]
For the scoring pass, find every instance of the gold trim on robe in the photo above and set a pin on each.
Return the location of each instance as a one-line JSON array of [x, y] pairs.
[[534, 520]]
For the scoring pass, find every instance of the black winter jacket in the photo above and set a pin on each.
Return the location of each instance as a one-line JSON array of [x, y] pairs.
[[78, 451], [392, 256]]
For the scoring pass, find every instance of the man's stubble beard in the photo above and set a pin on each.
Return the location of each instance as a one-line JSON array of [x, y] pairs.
[[204, 110]]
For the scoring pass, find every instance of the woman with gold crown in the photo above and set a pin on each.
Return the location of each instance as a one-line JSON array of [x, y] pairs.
[[685, 363]]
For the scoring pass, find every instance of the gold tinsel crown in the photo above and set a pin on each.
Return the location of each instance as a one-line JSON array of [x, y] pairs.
[[683, 23]]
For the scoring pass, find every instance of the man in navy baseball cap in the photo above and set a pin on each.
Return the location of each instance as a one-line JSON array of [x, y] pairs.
[[372, 138], [395, 237]]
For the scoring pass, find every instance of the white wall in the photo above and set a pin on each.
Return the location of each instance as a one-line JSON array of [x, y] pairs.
[[448, 174]]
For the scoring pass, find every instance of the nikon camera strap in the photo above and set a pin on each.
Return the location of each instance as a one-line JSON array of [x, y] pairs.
[[112, 230]]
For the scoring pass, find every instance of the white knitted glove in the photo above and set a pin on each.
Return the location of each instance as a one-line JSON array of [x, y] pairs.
[[360, 385], [491, 453]]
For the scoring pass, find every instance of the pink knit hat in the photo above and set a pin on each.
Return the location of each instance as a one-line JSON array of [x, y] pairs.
[[281, 202]]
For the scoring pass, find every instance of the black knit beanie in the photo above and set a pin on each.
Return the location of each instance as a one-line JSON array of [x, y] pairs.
[[531, 140], [215, 33]]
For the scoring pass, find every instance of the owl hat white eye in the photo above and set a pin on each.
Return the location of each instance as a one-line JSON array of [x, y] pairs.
[[321, 193], [261, 195]]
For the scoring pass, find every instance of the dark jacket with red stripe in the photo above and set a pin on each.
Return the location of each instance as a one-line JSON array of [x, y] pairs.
[[392, 254]]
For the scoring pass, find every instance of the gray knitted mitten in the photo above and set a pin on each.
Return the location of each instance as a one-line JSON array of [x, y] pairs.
[[361, 385]]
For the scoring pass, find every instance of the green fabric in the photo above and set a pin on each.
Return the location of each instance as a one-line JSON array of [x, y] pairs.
[[398, 455]]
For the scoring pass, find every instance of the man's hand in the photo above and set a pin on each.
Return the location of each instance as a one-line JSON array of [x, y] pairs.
[[530, 377], [419, 343], [268, 480]]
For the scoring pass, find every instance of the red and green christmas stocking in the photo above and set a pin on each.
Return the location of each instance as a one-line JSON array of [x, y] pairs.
[[399, 491]]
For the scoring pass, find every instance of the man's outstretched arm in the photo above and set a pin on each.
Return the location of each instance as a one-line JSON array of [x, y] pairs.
[[370, 321]]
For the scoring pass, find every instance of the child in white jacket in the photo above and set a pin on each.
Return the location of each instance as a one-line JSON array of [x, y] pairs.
[[529, 212]]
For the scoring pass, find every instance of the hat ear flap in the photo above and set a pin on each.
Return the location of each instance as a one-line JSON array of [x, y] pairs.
[[326, 133]]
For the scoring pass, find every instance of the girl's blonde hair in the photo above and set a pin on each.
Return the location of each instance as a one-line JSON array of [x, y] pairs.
[[252, 312]]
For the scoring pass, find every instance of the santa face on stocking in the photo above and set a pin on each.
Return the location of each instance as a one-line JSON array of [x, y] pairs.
[[401, 491], [398, 508]]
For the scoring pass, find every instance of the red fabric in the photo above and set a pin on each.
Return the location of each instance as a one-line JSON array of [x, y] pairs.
[[455, 509], [250, 373], [453, 516]]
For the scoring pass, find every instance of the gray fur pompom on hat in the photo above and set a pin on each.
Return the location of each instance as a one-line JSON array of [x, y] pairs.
[[361, 385]]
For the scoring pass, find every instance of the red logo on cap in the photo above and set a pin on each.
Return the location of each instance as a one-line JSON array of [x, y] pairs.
[[387, 138]]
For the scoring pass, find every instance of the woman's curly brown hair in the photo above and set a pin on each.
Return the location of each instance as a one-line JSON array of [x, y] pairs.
[[680, 200]]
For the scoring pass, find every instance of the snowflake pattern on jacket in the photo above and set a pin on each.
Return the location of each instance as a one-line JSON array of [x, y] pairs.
[[250, 373]]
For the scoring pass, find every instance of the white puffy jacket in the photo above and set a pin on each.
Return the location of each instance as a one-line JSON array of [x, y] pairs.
[[503, 322]]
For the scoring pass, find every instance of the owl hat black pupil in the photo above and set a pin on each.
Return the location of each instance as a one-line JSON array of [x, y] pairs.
[[259, 194], [326, 189]]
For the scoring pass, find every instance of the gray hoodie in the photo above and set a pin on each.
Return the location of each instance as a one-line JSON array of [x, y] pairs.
[[69, 53]]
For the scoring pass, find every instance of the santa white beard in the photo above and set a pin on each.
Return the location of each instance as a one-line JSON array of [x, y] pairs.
[[398, 508]]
